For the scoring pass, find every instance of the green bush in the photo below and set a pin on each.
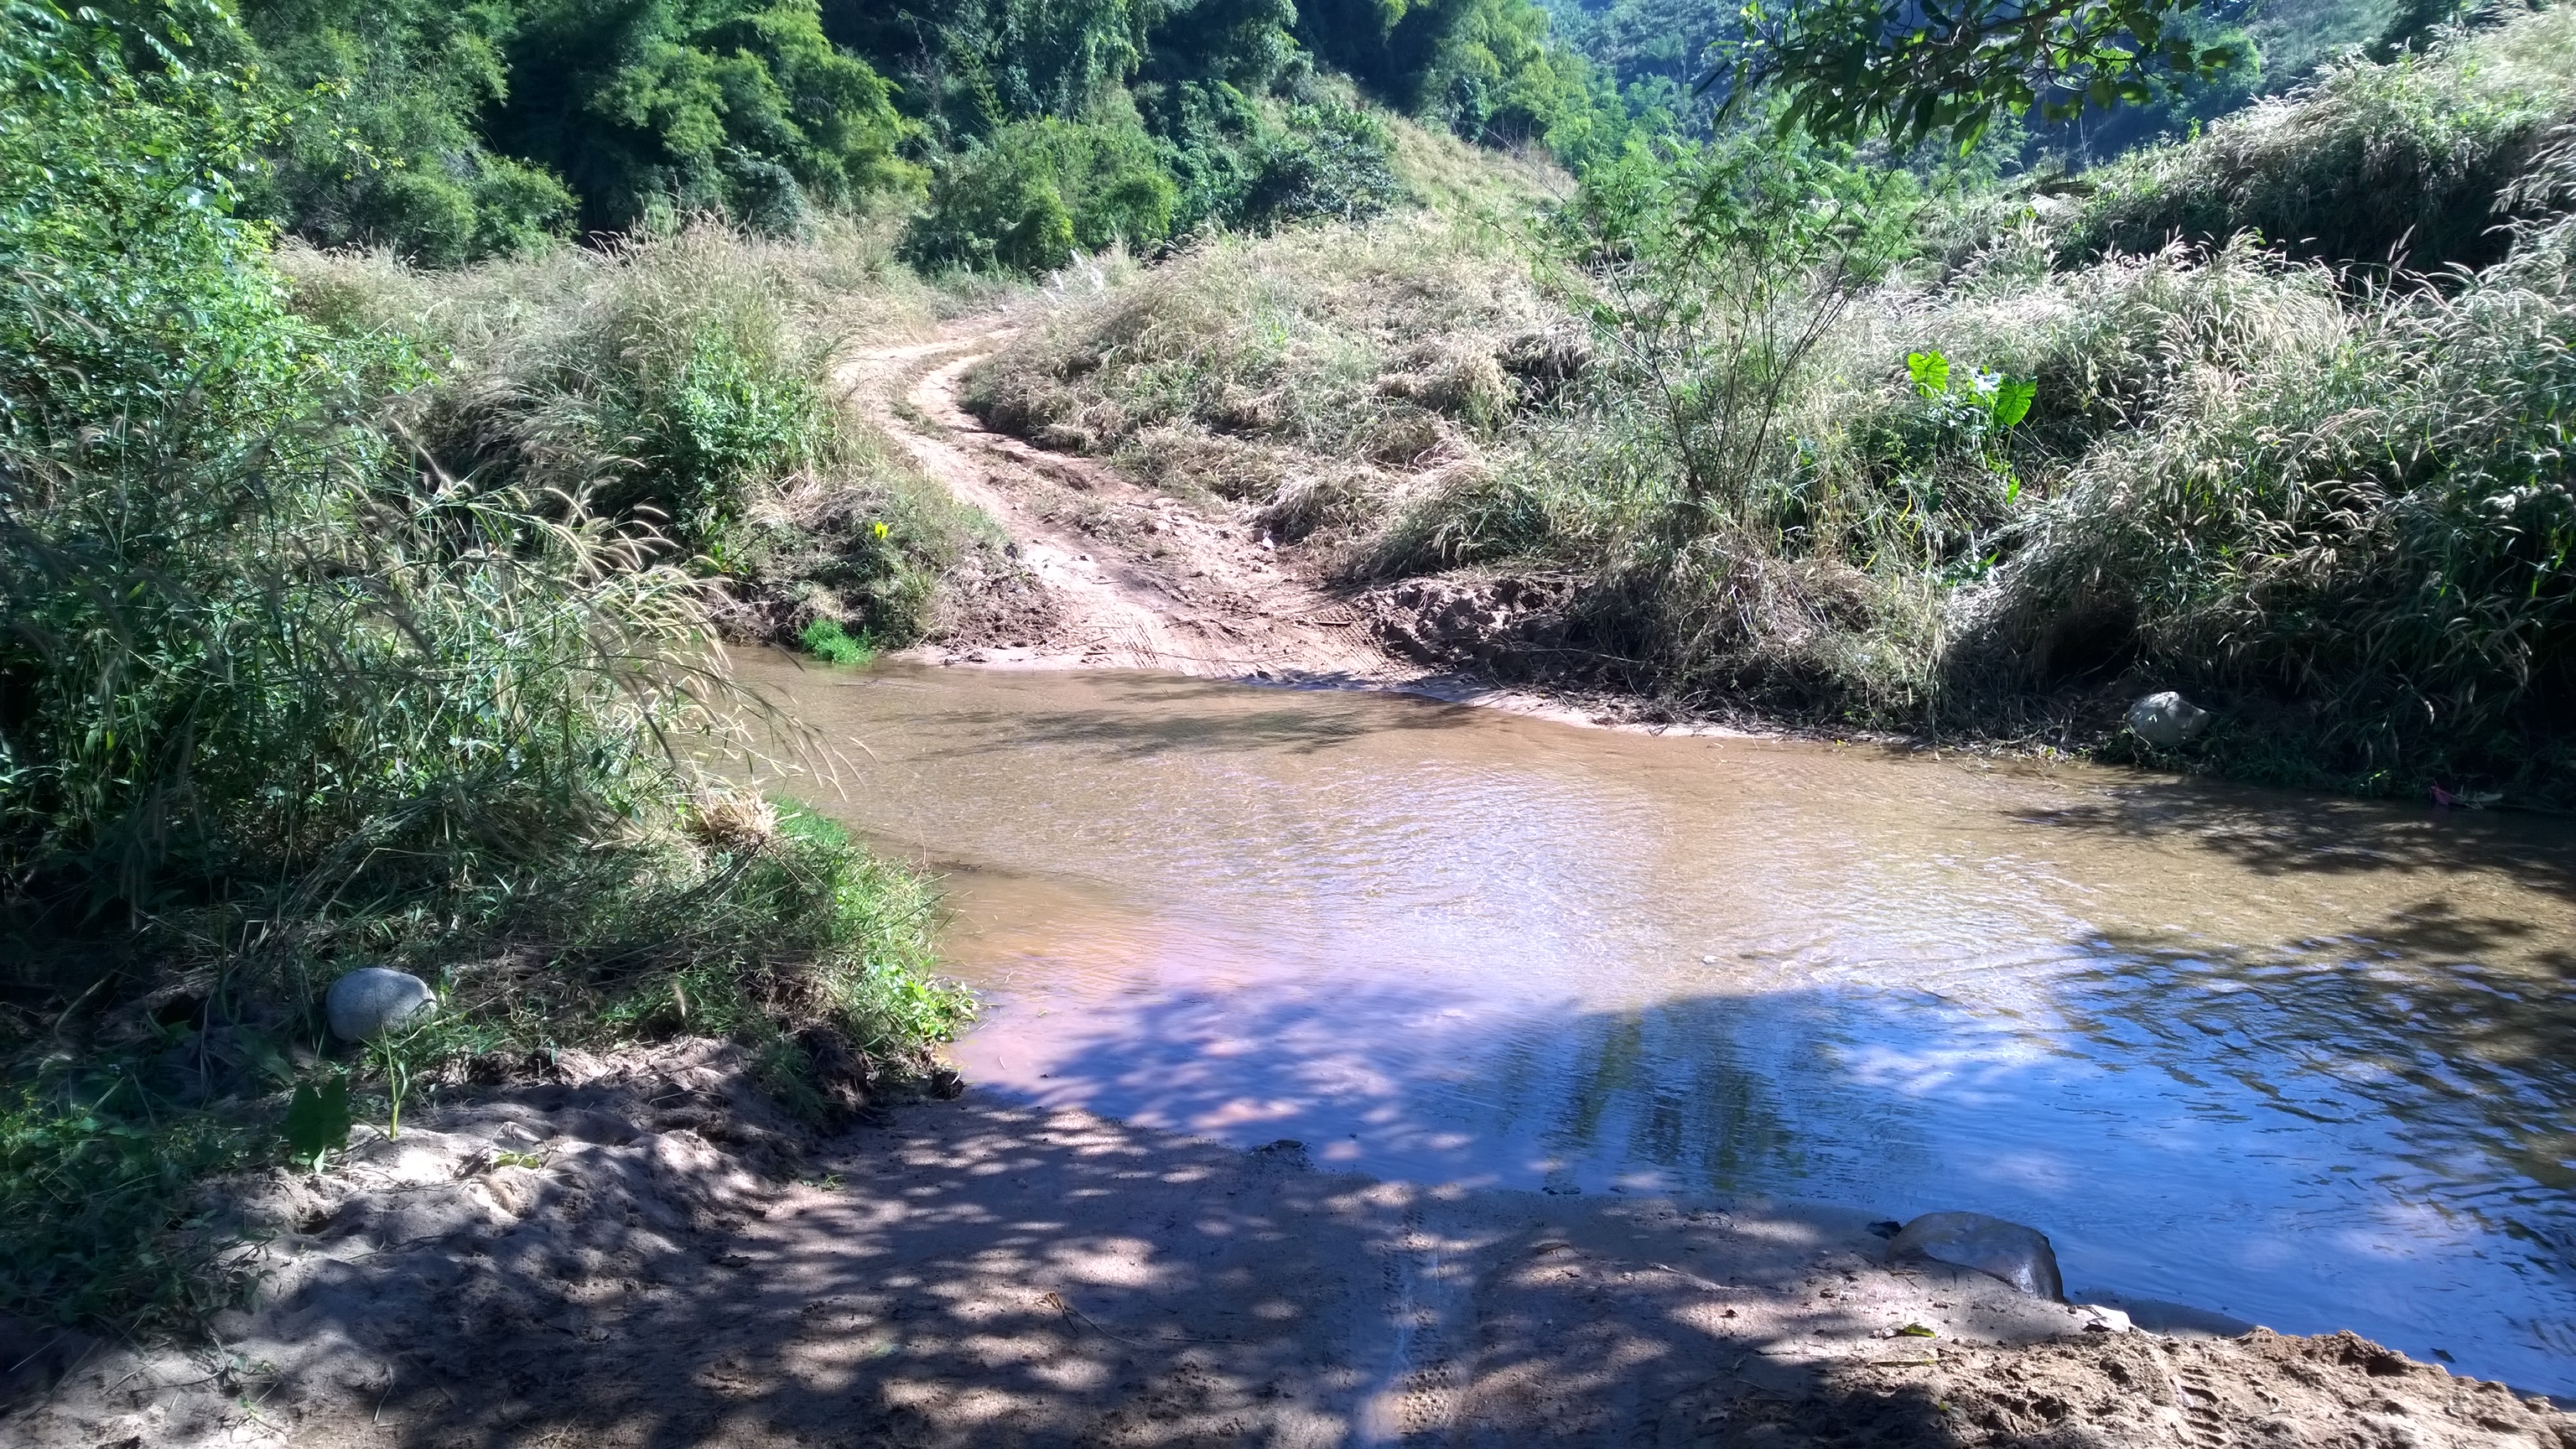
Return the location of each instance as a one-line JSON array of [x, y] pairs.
[[826, 640], [1486, 69], [1327, 160], [88, 1196], [278, 695], [677, 379], [672, 381], [1256, 165], [389, 153], [1025, 198], [739, 108]]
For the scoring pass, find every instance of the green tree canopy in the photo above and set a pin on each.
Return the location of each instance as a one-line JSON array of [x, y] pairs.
[[1907, 68], [656, 108]]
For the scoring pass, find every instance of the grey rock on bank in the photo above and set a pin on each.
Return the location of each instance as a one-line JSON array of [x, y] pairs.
[[2018, 1255], [365, 1002], [2166, 719]]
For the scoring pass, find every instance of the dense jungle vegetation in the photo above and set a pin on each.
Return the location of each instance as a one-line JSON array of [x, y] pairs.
[[396, 401]]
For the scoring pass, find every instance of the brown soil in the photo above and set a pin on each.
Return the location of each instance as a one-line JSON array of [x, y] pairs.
[[1139, 578], [579, 1263]]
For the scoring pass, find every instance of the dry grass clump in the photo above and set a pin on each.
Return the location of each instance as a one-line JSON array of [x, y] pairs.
[[1462, 179], [2368, 162], [2107, 343], [2341, 517], [680, 380], [1309, 373], [2363, 531]]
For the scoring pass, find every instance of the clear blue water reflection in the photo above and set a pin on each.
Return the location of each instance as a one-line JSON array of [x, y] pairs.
[[2304, 1061]]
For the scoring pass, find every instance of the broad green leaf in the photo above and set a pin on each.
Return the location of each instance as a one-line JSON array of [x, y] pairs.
[[2013, 400], [318, 1121], [1930, 371]]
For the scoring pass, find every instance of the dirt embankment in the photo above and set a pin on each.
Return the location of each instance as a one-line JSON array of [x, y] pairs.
[[595, 1260]]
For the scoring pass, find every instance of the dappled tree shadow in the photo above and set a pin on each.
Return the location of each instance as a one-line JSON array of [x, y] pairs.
[[995, 1274], [2283, 834], [1006, 1271]]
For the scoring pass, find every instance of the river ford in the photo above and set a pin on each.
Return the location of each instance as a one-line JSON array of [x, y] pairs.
[[2304, 1061]]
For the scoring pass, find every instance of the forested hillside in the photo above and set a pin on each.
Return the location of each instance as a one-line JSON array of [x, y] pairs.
[[1658, 55], [448, 134]]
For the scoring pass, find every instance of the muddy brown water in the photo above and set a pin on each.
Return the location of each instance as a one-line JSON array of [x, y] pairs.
[[2306, 1061]]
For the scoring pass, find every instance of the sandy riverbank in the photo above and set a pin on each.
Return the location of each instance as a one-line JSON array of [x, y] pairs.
[[614, 1257]]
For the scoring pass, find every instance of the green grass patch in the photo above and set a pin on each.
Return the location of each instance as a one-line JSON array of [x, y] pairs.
[[95, 1207], [826, 640]]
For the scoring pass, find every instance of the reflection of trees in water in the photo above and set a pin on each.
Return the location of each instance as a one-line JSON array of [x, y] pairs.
[[2457, 1072], [1720, 1093], [2456, 1028]]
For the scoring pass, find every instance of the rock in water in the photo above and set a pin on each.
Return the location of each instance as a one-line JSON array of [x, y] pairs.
[[2020, 1256], [364, 1003], [2167, 719]]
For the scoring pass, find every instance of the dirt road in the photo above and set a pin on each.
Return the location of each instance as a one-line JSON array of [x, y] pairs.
[[1141, 580]]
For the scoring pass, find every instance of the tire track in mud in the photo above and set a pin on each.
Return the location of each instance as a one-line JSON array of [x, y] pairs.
[[1142, 580], [1414, 1400]]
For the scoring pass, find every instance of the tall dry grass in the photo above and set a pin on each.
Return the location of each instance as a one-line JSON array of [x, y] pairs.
[[2329, 500], [1311, 374], [2368, 163], [684, 381]]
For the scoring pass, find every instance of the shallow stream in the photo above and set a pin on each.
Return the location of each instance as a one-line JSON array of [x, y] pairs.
[[2305, 1061]]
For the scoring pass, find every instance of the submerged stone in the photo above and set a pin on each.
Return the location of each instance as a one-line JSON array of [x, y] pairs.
[[2018, 1255], [2166, 719], [366, 1002]]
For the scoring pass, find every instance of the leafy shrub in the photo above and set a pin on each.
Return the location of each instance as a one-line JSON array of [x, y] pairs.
[[1026, 197], [826, 640], [1257, 165], [1331, 161], [967, 66], [740, 108], [87, 1196]]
